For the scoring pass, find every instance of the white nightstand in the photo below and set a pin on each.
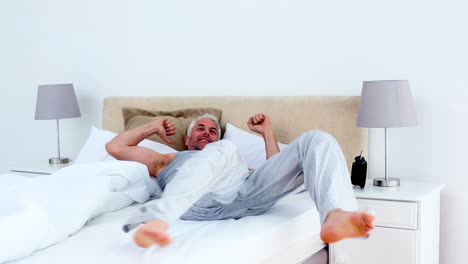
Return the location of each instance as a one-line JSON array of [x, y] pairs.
[[407, 226], [37, 169]]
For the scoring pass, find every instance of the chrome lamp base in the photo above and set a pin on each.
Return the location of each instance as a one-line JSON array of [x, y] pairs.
[[389, 182], [60, 160]]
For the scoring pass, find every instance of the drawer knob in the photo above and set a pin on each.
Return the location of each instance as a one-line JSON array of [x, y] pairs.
[[340, 259]]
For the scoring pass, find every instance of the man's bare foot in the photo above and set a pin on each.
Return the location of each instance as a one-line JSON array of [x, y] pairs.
[[341, 224], [153, 232]]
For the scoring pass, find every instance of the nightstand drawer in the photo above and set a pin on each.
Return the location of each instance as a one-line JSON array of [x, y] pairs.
[[385, 245], [392, 214]]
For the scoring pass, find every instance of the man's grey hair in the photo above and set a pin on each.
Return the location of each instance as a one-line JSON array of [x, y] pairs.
[[205, 116]]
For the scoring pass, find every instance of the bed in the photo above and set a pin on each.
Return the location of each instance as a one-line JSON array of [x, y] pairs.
[[288, 233]]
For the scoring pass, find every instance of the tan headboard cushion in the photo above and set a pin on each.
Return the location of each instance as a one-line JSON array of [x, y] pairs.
[[291, 115], [135, 117]]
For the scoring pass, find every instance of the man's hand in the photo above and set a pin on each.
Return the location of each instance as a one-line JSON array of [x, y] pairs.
[[260, 123], [165, 127]]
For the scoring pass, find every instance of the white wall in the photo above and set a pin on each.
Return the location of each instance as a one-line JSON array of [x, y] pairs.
[[247, 47]]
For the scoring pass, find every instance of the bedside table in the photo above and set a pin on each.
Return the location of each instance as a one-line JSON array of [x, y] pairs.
[[37, 169], [406, 226]]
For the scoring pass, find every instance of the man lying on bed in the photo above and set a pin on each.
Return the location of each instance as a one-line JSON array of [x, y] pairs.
[[314, 159]]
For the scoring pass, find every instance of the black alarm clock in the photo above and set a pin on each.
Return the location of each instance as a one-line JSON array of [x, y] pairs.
[[359, 171]]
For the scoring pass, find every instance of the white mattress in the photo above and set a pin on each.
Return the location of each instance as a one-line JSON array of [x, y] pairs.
[[288, 233]]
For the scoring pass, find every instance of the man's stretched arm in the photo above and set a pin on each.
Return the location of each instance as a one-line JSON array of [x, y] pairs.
[[124, 146], [261, 124]]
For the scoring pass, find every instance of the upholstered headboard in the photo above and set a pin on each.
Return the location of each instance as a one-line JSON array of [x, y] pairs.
[[290, 115]]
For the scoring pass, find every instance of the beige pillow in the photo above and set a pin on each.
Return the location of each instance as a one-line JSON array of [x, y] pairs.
[[134, 117]]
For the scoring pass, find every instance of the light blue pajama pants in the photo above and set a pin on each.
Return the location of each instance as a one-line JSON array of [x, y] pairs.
[[314, 159]]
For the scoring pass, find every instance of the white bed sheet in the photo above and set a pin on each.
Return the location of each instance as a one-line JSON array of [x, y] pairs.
[[288, 233]]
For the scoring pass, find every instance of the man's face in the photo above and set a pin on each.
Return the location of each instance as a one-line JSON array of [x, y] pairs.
[[204, 132]]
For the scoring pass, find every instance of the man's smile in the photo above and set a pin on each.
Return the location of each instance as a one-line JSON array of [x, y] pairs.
[[204, 140]]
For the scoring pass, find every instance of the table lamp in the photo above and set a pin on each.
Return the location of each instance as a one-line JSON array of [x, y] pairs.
[[57, 101], [386, 104]]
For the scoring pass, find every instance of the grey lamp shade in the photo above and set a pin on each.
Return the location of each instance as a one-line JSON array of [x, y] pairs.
[[56, 101], [386, 104]]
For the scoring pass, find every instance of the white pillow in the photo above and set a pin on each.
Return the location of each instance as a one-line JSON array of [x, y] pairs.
[[94, 149], [251, 147]]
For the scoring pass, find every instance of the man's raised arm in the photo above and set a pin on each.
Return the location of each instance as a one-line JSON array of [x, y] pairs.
[[124, 146], [261, 124]]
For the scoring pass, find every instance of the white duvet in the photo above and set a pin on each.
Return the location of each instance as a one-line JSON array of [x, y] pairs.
[[38, 212], [287, 233]]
